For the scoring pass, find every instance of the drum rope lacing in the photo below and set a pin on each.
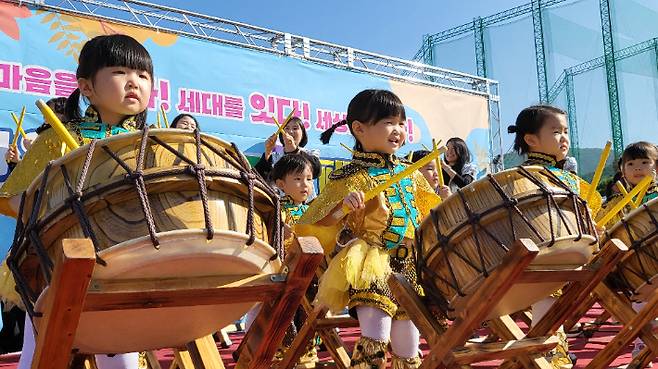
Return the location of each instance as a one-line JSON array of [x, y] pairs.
[[27, 236], [473, 220], [639, 246]]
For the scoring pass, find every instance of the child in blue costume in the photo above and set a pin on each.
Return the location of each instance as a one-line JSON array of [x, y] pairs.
[[376, 237], [115, 75], [638, 161], [542, 135]]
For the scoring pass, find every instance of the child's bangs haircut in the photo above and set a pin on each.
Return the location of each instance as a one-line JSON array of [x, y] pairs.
[[109, 51], [290, 164], [640, 150], [369, 107]]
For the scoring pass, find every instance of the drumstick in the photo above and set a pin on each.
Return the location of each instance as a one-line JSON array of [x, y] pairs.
[[285, 122], [157, 118], [396, 178], [623, 191], [23, 133], [57, 125], [428, 149], [164, 116], [640, 196], [627, 198], [347, 148], [439, 167], [599, 171], [19, 126]]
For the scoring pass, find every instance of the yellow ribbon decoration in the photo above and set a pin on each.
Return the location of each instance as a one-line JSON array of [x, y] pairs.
[[57, 125]]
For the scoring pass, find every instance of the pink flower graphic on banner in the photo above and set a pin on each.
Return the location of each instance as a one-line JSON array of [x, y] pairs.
[[8, 14]]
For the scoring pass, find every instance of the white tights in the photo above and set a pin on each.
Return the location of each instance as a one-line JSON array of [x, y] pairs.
[[378, 325], [119, 361]]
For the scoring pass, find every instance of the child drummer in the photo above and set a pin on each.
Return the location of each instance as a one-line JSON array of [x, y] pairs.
[[542, 134], [115, 76], [376, 236]]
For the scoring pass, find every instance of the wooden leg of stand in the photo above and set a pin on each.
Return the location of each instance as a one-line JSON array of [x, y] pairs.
[[152, 360], [304, 335], [204, 354], [576, 294], [410, 301], [480, 303], [223, 338], [66, 296], [630, 330], [570, 323], [336, 348], [507, 329], [269, 328], [642, 360], [624, 313], [182, 360]]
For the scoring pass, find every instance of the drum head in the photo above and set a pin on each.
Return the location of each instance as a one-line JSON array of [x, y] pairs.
[[182, 254]]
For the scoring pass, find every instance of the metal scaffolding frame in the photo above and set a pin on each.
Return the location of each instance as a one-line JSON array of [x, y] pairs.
[[534, 9], [200, 26]]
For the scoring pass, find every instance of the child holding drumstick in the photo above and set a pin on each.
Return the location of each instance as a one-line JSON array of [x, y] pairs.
[[542, 134], [377, 235], [115, 74]]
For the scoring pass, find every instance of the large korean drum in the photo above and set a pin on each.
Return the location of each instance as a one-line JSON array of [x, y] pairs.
[[466, 237], [638, 269], [159, 204]]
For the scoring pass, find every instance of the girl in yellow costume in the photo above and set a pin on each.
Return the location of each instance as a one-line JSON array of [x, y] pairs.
[[375, 237], [115, 77], [542, 134], [638, 161]]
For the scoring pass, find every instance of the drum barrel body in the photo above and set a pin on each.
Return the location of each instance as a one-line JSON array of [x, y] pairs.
[[636, 273], [176, 206], [466, 237]]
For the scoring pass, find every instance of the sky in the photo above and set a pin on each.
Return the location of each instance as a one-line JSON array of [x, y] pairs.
[[387, 27]]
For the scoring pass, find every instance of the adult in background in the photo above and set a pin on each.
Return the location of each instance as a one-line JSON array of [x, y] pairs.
[[458, 171]]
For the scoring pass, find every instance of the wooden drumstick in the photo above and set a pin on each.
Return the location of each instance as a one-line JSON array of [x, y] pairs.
[[347, 148], [623, 191], [628, 198], [396, 178], [19, 126], [599, 171], [164, 116], [285, 122], [157, 118], [439, 167], [640, 196], [57, 125]]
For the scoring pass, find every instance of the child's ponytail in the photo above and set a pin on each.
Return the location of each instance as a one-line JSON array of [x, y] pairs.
[[326, 135], [72, 107]]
